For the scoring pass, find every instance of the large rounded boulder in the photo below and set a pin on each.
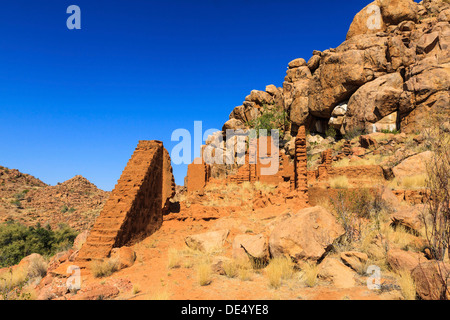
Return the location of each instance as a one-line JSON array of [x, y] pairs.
[[305, 236]]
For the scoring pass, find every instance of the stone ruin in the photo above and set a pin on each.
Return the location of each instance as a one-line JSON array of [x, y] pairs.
[[141, 197], [294, 173], [136, 206], [199, 174]]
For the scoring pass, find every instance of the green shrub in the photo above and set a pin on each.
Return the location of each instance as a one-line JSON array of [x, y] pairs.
[[18, 241], [16, 203], [272, 117], [395, 131], [330, 132]]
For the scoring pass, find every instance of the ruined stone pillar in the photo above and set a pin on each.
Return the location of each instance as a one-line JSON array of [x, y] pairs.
[[253, 160], [328, 158], [198, 175], [300, 163], [347, 148], [325, 169]]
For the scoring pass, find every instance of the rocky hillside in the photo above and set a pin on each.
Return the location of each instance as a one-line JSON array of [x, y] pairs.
[[25, 199], [12, 180], [392, 71]]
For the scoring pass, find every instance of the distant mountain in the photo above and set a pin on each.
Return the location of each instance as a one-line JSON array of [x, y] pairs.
[[28, 200]]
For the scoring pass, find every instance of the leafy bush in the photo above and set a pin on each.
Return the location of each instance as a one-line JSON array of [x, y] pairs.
[[330, 132], [272, 117], [65, 209], [17, 204], [18, 241], [395, 131]]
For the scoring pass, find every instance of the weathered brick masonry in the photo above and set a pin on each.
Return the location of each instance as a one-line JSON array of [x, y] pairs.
[[135, 207]]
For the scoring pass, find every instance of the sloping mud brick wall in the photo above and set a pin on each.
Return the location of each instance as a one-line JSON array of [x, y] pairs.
[[134, 209]]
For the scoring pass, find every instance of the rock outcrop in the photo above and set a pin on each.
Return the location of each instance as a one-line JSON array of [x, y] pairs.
[[250, 247], [340, 275], [401, 260], [429, 278], [306, 236], [207, 242], [392, 70]]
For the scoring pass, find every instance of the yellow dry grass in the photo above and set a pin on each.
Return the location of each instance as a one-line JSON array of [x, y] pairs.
[[407, 285], [310, 271], [204, 273], [13, 278], [174, 258], [366, 161], [412, 182], [104, 268], [340, 182], [136, 289], [279, 269]]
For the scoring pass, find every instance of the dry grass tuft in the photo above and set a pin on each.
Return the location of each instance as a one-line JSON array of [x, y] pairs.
[[136, 289], [279, 269], [104, 268], [310, 271], [204, 273], [366, 161], [174, 258], [340, 182], [412, 182], [231, 269], [12, 285], [238, 268], [245, 275], [37, 268], [259, 186], [407, 285], [13, 278]]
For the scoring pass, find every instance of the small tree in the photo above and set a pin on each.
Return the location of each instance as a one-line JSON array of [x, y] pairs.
[[272, 117], [436, 214]]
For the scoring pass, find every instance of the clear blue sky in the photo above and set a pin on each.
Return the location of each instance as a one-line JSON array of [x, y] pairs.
[[77, 101]]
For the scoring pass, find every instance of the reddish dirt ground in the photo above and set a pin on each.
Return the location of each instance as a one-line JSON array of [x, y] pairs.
[[150, 272]]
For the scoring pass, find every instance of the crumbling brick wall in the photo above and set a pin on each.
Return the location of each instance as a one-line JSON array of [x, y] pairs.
[[135, 207], [198, 174]]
